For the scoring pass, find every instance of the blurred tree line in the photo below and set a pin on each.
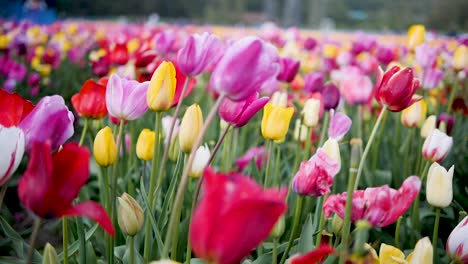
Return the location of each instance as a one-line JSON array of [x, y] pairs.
[[445, 15]]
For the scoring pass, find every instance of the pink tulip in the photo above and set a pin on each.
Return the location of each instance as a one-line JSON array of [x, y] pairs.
[[437, 146], [289, 69], [233, 216], [381, 206], [164, 41], [126, 99], [385, 55], [457, 242], [315, 176], [254, 153], [313, 82], [243, 69], [340, 124], [356, 87], [239, 113], [198, 53]]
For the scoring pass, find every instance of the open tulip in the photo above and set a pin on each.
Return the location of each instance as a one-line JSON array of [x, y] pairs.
[[381, 206], [145, 145], [125, 99], [129, 215], [460, 58], [396, 87], [288, 70], [457, 242], [416, 34], [49, 120], [90, 102], [162, 87], [415, 114], [51, 183], [239, 113], [198, 53], [439, 191], [202, 156], [14, 108], [275, 121], [230, 77], [12, 142], [190, 127], [437, 146], [104, 148], [233, 208]]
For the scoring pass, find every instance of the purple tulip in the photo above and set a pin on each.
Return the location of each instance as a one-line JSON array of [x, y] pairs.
[[199, 52], [245, 66], [9, 85], [331, 96], [50, 121], [164, 42], [239, 113], [431, 78], [313, 82], [126, 99], [289, 69], [426, 55], [34, 79]]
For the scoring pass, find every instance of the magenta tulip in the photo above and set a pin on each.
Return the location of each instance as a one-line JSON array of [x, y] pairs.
[[313, 82], [289, 69], [243, 69], [255, 153], [239, 113]]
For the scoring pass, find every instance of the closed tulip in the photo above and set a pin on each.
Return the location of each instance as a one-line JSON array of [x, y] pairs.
[[190, 127], [457, 242], [414, 115], [460, 58], [428, 126], [331, 96], [311, 112], [279, 98], [50, 255], [90, 102], [104, 148], [289, 69], [125, 99], [439, 191], [275, 121], [12, 142], [437, 146], [239, 113], [202, 156], [129, 215], [416, 35], [145, 144], [162, 87]]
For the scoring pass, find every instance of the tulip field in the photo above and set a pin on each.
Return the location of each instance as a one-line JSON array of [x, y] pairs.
[[132, 143]]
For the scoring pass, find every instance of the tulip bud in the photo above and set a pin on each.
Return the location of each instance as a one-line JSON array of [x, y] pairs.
[[279, 99], [278, 229], [202, 156], [162, 87], [332, 149], [190, 127], [129, 215], [104, 148], [311, 112], [415, 36], [423, 252], [439, 191], [460, 58], [457, 242], [414, 114], [428, 126], [275, 121], [174, 149], [145, 145], [300, 131], [50, 255], [437, 146], [336, 224]]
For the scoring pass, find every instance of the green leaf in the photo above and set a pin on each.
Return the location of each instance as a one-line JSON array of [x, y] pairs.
[[306, 241], [146, 206], [19, 245], [76, 245], [264, 259]]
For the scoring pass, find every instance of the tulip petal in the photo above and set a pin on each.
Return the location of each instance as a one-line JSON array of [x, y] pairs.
[[314, 256], [340, 124], [251, 110], [93, 211]]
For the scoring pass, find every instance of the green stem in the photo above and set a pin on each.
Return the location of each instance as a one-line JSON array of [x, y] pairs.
[[82, 240], [436, 233], [415, 213], [295, 226], [452, 96], [359, 121], [320, 201], [65, 240], [277, 165], [368, 145], [326, 121], [397, 232], [275, 251], [3, 192], [105, 176], [308, 143], [406, 156], [184, 178], [268, 164], [32, 240], [152, 186], [85, 130], [226, 149], [298, 148], [375, 156], [132, 249]]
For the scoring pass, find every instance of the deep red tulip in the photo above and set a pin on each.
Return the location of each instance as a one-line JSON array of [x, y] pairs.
[[119, 54], [52, 181], [239, 113], [331, 96], [13, 108], [396, 87], [381, 206], [90, 102], [233, 216], [313, 256]]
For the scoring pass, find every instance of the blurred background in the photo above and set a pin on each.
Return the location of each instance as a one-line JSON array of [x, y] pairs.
[[448, 16]]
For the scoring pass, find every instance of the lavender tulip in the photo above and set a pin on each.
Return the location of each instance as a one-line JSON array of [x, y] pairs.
[[431, 78], [243, 69], [199, 52], [126, 99], [50, 120]]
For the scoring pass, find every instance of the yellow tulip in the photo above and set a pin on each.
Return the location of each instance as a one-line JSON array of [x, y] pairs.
[[162, 87], [145, 144], [104, 149], [415, 114], [416, 34], [129, 215], [275, 122], [190, 127], [460, 58], [390, 255], [4, 41]]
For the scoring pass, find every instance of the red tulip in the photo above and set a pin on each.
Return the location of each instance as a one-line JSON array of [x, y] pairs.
[[313, 256], [52, 181], [396, 87], [90, 102], [233, 216], [119, 54], [381, 206], [13, 108]]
